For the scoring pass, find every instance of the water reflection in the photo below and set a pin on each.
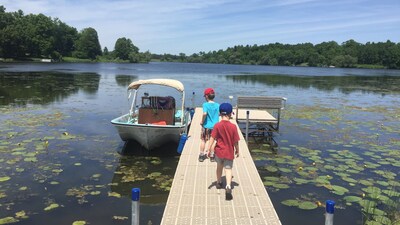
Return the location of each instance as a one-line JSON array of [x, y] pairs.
[[125, 80], [44, 87], [346, 84]]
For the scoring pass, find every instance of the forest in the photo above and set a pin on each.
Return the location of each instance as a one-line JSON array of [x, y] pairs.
[[27, 37], [349, 54], [31, 36]]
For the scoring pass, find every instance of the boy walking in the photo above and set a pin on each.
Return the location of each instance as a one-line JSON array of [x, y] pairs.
[[227, 137], [209, 119]]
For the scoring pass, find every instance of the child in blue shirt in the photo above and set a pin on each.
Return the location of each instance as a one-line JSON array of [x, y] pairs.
[[209, 119]]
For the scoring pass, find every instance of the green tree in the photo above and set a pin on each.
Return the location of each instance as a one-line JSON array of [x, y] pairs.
[[344, 61], [12, 34], [105, 51], [369, 54], [351, 48], [40, 31], [390, 55], [328, 50], [87, 46], [145, 57], [64, 38], [125, 50]]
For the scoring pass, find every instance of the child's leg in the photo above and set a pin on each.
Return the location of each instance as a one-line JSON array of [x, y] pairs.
[[207, 145], [202, 145], [202, 156], [220, 166], [228, 176]]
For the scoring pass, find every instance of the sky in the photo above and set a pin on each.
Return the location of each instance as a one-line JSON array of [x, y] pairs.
[[193, 26]]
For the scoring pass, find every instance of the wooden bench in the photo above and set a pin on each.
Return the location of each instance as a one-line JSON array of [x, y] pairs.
[[262, 109]]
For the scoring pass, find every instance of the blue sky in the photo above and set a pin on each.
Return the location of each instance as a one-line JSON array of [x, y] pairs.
[[191, 26]]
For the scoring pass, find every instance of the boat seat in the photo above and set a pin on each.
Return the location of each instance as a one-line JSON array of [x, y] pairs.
[[156, 116]]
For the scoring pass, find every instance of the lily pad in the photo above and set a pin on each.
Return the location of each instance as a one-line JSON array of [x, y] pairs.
[[3, 179], [285, 170], [8, 220], [271, 169], [271, 179], [280, 186], [339, 190], [307, 205], [352, 199], [291, 202], [301, 181], [114, 194], [51, 207]]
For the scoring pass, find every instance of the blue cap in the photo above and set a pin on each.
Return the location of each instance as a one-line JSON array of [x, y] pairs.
[[225, 108], [135, 194], [330, 206]]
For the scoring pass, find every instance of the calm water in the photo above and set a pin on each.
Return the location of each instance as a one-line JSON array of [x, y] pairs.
[[60, 158]]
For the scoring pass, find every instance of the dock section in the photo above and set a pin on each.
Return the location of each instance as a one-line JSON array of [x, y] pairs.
[[194, 198]]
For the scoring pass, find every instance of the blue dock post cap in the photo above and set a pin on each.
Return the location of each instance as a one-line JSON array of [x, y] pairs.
[[330, 206], [135, 194]]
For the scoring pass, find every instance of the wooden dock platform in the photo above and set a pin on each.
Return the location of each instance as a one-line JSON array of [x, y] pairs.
[[194, 198]]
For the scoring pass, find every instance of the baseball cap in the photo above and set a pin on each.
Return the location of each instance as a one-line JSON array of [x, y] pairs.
[[209, 91], [225, 108]]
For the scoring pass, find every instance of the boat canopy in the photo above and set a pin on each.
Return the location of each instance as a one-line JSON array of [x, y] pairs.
[[165, 82]]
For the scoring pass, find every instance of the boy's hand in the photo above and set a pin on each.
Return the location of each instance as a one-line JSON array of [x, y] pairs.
[[237, 154]]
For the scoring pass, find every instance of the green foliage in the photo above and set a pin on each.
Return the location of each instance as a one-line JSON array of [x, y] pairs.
[[125, 50], [34, 36], [348, 54], [87, 45], [38, 36]]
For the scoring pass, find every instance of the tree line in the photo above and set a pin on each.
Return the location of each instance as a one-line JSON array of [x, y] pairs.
[[30, 36], [348, 54], [39, 36]]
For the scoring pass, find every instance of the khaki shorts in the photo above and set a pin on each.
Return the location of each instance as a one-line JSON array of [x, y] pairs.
[[228, 164]]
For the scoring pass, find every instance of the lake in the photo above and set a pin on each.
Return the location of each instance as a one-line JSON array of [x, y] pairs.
[[62, 161]]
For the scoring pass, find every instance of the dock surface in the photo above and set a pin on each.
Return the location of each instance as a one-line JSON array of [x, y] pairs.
[[194, 198]]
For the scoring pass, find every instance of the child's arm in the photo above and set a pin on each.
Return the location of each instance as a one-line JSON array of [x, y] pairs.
[[212, 146], [237, 149], [203, 118]]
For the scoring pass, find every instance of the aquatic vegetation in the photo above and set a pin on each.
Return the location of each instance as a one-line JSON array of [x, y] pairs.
[[337, 142], [8, 220], [51, 207], [353, 159]]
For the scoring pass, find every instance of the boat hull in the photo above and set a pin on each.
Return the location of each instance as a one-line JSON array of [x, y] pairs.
[[150, 136]]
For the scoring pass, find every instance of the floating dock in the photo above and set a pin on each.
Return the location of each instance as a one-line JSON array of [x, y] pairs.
[[194, 198]]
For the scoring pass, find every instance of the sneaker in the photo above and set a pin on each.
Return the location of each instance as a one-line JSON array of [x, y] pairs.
[[219, 185], [228, 194], [212, 157], [202, 158]]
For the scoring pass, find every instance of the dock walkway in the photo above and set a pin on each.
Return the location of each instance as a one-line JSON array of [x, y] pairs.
[[194, 198]]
